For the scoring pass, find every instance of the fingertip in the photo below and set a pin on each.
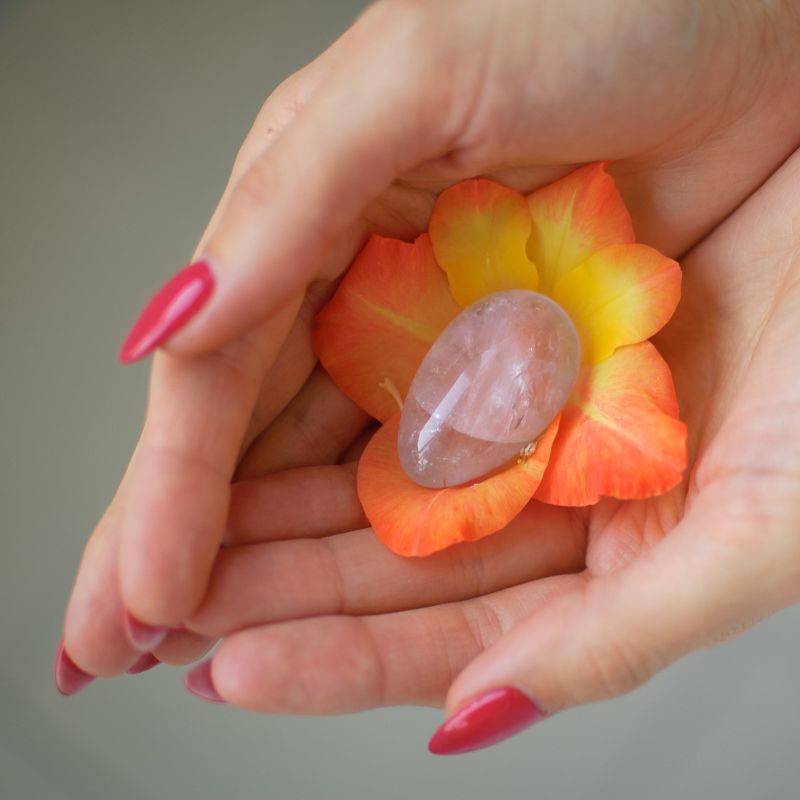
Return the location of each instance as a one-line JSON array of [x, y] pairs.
[[68, 677], [142, 636], [199, 682], [485, 720], [178, 301]]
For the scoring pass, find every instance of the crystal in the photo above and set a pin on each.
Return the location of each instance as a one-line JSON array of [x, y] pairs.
[[489, 386]]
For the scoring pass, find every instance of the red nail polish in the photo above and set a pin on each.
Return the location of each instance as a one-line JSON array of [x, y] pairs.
[[197, 681], [143, 637], [68, 677], [486, 720], [146, 662], [175, 303]]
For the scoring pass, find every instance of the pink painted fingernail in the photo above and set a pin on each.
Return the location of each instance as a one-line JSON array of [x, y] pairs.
[[197, 681], [144, 637], [68, 677], [486, 720], [146, 662], [172, 306]]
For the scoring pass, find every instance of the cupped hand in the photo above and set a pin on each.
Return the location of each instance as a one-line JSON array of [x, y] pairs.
[[565, 606], [414, 96]]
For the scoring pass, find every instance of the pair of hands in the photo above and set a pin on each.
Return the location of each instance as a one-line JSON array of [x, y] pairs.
[[696, 106]]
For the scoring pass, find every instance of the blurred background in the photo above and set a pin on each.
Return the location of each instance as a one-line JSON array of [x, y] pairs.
[[118, 124]]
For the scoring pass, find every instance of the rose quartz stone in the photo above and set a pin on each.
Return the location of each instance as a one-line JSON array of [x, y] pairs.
[[490, 385]]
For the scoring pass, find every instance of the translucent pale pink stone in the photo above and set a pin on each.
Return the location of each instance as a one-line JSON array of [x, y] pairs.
[[490, 385]]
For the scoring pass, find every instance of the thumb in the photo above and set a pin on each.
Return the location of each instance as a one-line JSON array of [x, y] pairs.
[[607, 635], [293, 216]]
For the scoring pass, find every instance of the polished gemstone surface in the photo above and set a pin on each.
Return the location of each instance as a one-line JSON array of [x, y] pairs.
[[490, 385]]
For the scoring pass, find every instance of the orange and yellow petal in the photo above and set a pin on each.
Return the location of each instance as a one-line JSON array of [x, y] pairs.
[[574, 217], [413, 520], [386, 313], [619, 434], [620, 295], [480, 230]]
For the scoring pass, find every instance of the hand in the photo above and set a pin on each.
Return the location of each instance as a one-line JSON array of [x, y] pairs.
[[414, 96], [340, 624]]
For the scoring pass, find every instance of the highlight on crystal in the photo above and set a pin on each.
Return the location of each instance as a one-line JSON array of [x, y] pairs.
[[506, 353]]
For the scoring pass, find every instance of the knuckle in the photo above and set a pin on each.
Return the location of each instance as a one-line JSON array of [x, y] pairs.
[[614, 668], [243, 359], [331, 568], [255, 189], [278, 111], [483, 622], [368, 667], [468, 563]]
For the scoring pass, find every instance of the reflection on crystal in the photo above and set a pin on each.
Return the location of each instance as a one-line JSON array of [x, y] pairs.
[[491, 383]]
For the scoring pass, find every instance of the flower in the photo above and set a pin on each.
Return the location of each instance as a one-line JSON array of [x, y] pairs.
[[618, 435]]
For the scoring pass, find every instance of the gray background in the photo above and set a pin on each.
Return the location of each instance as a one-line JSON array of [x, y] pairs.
[[118, 124]]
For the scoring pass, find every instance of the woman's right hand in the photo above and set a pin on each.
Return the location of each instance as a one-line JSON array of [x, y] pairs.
[[566, 605], [416, 95]]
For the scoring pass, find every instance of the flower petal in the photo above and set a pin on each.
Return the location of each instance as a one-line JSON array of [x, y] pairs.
[[414, 521], [619, 434], [374, 332], [620, 295], [572, 218], [479, 231]]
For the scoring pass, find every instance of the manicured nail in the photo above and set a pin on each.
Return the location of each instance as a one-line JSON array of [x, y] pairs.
[[486, 720], [173, 305], [146, 662], [68, 677], [197, 681], [143, 637]]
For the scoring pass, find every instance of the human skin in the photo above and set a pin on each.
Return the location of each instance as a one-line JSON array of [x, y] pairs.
[[694, 102]]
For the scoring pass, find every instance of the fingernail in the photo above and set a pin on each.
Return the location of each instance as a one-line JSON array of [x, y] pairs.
[[172, 306], [486, 720], [197, 681], [146, 662], [143, 637], [68, 677]]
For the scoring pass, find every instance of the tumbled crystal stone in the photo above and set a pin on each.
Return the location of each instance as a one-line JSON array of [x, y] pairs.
[[490, 385]]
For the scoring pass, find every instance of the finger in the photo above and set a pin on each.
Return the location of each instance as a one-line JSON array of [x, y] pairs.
[[296, 504], [354, 573], [305, 194], [608, 635], [179, 482], [334, 665], [93, 629], [284, 379], [94, 636], [317, 426]]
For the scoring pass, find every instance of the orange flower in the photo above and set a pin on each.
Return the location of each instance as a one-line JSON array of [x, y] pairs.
[[618, 435]]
